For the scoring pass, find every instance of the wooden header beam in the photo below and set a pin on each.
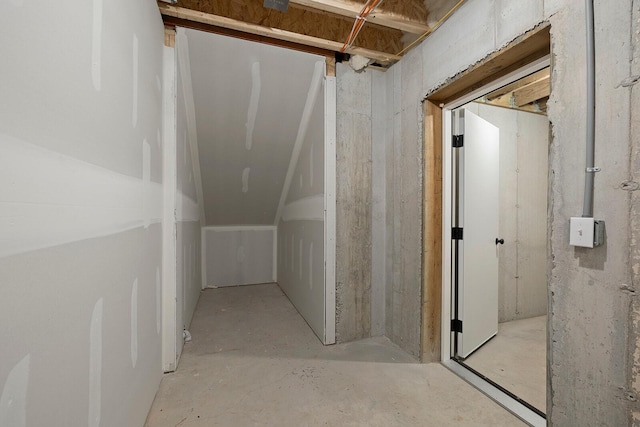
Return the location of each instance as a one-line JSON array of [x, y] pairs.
[[220, 21], [525, 49], [185, 23]]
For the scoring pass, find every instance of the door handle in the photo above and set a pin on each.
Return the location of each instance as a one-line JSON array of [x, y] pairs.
[[499, 241]]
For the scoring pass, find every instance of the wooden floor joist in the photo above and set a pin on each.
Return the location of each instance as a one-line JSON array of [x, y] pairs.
[[352, 9], [168, 10]]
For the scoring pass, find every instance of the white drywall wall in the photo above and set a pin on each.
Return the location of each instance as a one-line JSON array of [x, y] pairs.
[[249, 99], [188, 209], [80, 205], [524, 165], [239, 255], [301, 226]]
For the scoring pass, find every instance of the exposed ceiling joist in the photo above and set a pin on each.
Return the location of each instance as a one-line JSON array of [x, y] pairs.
[[352, 9], [207, 28], [520, 83], [275, 33], [532, 92], [528, 94]]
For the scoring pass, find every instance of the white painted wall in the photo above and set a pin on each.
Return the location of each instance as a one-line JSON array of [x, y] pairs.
[[239, 255], [301, 223], [524, 165], [80, 209]]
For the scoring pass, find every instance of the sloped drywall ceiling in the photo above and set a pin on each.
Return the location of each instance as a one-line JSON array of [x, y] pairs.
[[249, 99]]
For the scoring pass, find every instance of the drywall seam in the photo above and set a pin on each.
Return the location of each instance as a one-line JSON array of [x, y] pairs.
[[203, 258], [13, 401], [182, 46], [134, 118], [311, 159], [314, 89], [254, 101], [158, 301], [311, 265], [95, 364], [146, 182], [300, 259], [245, 180], [96, 45], [306, 209], [240, 227], [51, 199], [134, 323], [293, 254]]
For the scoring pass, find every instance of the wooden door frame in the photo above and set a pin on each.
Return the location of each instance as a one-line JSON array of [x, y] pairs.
[[524, 50]]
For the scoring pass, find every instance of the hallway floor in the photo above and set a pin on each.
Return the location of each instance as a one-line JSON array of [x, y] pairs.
[[516, 359], [255, 362]]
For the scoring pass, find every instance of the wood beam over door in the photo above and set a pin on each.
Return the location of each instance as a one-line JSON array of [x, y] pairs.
[[220, 21], [352, 9], [185, 23], [524, 50]]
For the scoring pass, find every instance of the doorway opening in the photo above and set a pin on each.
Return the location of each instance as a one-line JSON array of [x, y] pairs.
[[253, 124], [482, 83], [495, 237]]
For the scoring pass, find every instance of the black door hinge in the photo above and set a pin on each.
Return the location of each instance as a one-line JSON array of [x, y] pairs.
[[456, 233], [457, 141], [456, 325]]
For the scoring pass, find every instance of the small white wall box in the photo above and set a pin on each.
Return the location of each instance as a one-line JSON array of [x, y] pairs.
[[586, 232]]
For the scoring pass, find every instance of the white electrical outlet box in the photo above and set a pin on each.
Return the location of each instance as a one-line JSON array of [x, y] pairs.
[[581, 232], [586, 232]]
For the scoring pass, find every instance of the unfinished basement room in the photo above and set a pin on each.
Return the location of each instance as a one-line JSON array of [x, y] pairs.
[[320, 213]]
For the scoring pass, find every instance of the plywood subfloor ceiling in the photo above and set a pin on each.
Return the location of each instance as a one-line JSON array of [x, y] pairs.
[[316, 26]]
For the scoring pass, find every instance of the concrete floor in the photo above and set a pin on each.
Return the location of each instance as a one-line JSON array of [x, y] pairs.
[[516, 359], [255, 362]]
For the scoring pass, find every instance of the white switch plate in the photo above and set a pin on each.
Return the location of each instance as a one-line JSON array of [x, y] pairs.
[[581, 232]]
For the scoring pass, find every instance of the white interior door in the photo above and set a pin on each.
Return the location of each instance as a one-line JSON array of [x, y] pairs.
[[478, 209]]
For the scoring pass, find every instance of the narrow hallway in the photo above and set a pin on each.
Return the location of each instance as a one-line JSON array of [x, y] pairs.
[[254, 361]]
